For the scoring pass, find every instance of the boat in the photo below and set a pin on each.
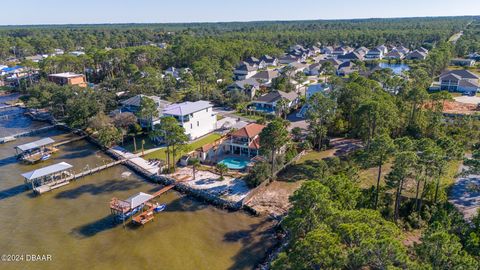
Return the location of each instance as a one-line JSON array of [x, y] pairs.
[[159, 208]]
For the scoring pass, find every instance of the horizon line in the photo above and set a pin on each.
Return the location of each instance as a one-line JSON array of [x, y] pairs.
[[236, 21]]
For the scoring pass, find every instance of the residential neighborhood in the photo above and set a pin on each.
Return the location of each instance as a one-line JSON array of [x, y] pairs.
[[201, 135]]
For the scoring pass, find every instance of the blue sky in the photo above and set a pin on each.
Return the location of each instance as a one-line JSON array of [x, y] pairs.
[[161, 11]]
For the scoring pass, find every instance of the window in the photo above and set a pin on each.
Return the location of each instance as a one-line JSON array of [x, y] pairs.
[[191, 126], [198, 123]]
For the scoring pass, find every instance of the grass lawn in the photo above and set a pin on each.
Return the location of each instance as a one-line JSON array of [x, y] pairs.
[[149, 144], [314, 155], [368, 177], [161, 154]]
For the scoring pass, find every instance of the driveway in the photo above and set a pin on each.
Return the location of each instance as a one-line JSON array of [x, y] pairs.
[[296, 121]]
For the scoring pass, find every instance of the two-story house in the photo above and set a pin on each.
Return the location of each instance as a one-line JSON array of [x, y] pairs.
[[197, 118], [133, 105], [268, 102], [459, 81], [245, 141], [245, 71], [375, 54], [269, 60], [68, 78]]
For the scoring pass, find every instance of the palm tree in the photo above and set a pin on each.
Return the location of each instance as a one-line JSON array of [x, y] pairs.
[[221, 169], [282, 108], [195, 162]]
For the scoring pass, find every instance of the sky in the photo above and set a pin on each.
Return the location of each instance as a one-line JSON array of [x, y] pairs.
[[165, 11]]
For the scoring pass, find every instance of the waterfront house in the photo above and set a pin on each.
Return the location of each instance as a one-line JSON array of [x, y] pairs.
[[249, 87], [268, 102], [375, 54], [402, 49], [133, 105], [244, 71], [383, 49], [197, 118], [394, 55], [245, 141], [462, 62], [416, 55], [68, 78], [461, 80], [351, 56]]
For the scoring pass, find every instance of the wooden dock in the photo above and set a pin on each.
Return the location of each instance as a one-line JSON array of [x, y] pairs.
[[94, 170], [73, 177], [70, 140], [26, 133], [163, 190]]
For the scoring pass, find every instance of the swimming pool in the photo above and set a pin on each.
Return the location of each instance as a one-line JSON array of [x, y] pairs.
[[235, 163]]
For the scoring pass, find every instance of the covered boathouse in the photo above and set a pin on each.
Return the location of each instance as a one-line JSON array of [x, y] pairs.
[[35, 151], [48, 178]]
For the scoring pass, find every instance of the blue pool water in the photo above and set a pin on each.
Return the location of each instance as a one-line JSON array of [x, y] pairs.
[[397, 68], [235, 163]]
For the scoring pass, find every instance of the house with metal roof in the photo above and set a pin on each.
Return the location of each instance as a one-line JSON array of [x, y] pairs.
[[48, 178], [197, 118]]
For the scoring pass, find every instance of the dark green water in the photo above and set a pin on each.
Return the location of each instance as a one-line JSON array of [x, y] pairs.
[[72, 224]]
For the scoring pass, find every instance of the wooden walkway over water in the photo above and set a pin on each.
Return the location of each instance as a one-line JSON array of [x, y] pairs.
[[70, 140], [25, 133], [60, 183]]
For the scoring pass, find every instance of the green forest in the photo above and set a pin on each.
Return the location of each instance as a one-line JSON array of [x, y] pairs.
[[402, 221]]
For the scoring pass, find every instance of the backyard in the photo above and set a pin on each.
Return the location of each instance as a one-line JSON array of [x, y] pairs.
[[162, 155]]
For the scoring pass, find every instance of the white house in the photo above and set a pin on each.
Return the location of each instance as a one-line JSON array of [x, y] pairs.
[[197, 118]]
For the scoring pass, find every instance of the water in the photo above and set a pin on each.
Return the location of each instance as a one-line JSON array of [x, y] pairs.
[[235, 163], [73, 223], [16, 121], [397, 68]]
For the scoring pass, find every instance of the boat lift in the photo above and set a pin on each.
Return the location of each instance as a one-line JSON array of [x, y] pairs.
[[36, 151], [141, 203], [48, 178]]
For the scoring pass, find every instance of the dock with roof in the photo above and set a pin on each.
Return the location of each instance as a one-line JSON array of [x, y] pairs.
[[36, 151]]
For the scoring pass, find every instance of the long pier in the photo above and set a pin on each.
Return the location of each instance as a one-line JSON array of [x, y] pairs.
[[26, 133], [73, 177], [94, 170], [70, 140]]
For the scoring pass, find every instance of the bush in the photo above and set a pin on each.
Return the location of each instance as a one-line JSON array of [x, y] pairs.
[[258, 174]]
